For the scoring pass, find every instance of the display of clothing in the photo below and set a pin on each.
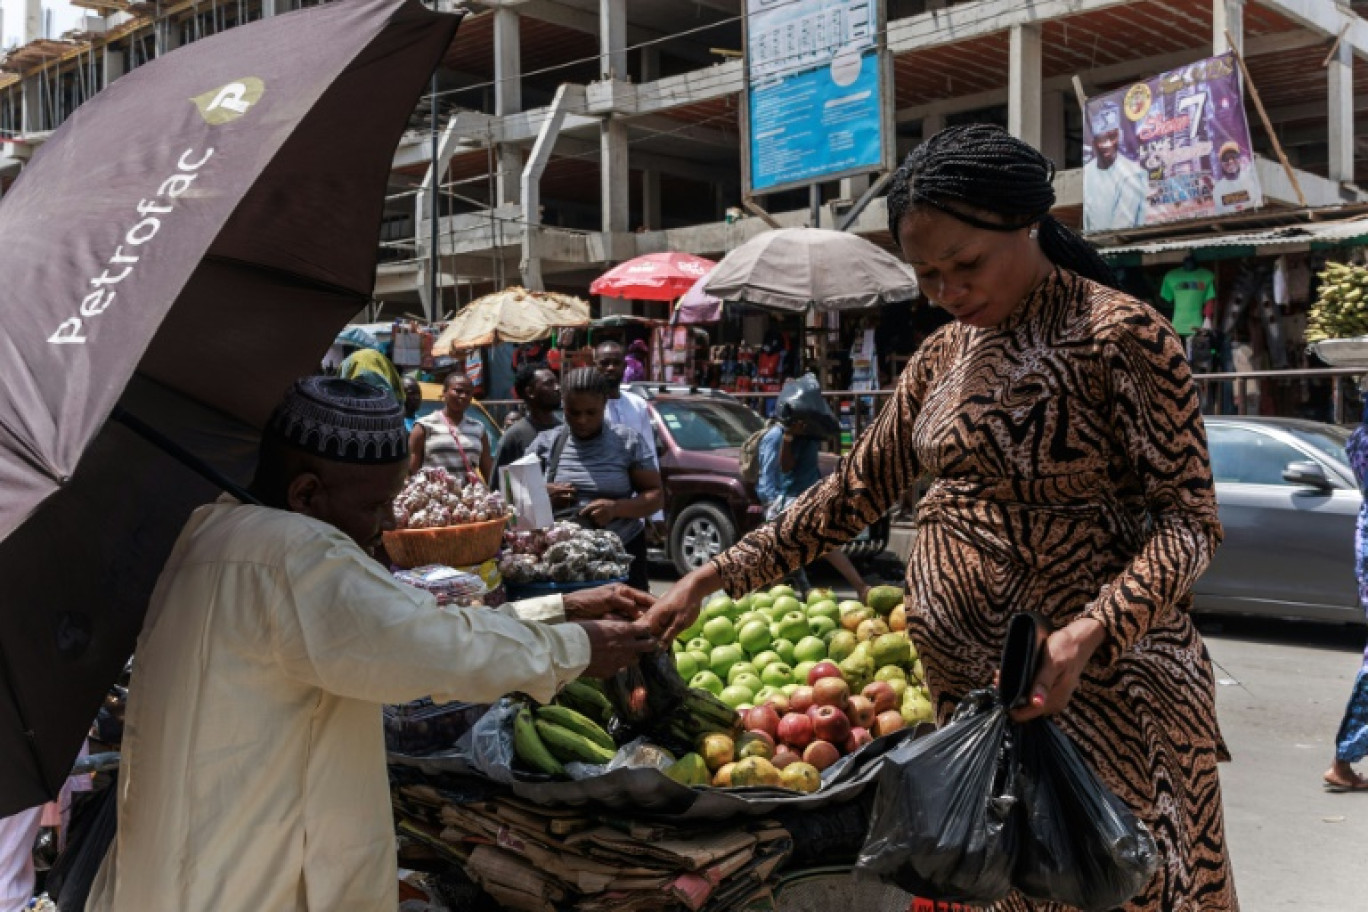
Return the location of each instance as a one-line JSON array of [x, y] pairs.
[[1189, 291], [1071, 478], [253, 768]]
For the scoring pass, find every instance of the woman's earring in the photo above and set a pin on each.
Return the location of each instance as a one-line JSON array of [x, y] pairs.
[[1035, 233]]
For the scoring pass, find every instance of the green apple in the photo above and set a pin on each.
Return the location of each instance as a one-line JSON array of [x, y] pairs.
[[706, 680], [827, 609], [686, 665], [719, 631], [849, 605], [734, 696], [747, 616], [784, 649], [693, 630], [800, 671], [787, 603], [716, 607], [773, 613], [889, 672], [765, 694], [792, 626], [759, 601], [781, 590], [816, 596], [741, 668], [840, 645], [698, 644], [723, 658], [776, 674], [747, 679], [788, 689], [701, 657], [754, 636], [822, 627], [810, 649], [762, 659]]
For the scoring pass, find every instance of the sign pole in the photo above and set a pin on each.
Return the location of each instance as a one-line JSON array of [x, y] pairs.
[[1267, 124]]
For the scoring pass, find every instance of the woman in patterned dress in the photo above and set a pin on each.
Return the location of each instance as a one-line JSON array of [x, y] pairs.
[[1060, 422], [1351, 742]]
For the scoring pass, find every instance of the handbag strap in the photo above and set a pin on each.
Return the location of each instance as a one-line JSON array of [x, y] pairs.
[[557, 448]]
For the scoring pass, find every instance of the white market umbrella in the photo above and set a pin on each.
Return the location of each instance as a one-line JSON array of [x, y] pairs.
[[793, 269], [512, 315]]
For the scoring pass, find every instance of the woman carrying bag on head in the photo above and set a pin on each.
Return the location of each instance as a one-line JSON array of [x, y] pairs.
[[600, 475], [1060, 422]]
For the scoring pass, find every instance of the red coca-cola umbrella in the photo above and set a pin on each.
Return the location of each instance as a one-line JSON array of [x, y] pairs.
[[653, 277]]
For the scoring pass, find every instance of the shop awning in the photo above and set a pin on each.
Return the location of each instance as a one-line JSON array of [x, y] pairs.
[[1265, 242]]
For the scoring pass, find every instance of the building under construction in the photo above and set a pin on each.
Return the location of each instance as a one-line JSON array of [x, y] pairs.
[[572, 134]]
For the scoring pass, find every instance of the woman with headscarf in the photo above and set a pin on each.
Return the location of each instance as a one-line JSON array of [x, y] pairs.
[[600, 475], [450, 438], [1060, 423]]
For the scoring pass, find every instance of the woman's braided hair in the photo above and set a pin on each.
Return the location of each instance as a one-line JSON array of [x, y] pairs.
[[586, 380], [977, 169]]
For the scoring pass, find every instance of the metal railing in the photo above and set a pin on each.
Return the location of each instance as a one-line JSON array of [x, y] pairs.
[[1217, 391]]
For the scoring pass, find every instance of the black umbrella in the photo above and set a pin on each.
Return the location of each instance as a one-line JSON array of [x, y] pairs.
[[184, 246]]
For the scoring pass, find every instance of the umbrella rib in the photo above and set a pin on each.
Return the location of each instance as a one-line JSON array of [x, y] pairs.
[[182, 455], [294, 277]]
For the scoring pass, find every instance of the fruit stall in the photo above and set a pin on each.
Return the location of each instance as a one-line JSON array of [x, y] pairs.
[[703, 779]]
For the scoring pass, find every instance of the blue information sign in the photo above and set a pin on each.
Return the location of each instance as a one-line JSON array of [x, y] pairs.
[[814, 97]]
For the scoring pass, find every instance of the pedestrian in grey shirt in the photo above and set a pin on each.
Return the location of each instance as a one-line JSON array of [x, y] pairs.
[[600, 475]]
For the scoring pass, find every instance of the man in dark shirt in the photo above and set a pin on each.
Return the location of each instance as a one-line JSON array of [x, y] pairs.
[[539, 389]]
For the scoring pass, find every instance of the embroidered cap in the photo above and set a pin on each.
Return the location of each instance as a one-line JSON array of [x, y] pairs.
[[341, 421], [1106, 119]]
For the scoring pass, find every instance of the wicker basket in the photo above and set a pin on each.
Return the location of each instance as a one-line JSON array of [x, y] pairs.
[[454, 546]]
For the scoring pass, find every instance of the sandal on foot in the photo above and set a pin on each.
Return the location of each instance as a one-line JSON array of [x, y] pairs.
[[1357, 784]]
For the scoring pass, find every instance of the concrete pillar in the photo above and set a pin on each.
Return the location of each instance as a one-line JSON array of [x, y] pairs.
[[613, 178], [932, 124], [852, 187], [270, 8], [1052, 141], [166, 33], [650, 64], [115, 65], [613, 39], [508, 98], [1341, 114], [33, 21], [650, 200], [1024, 84], [31, 96], [1227, 16]]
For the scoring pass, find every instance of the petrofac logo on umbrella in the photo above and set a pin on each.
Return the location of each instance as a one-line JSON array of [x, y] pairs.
[[229, 102]]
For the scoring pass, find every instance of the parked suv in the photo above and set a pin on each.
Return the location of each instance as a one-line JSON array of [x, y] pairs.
[[699, 433]]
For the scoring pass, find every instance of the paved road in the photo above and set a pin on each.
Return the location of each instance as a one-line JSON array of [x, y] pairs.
[[1282, 689]]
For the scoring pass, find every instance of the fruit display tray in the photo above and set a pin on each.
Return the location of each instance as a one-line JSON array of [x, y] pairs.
[[649, 792]]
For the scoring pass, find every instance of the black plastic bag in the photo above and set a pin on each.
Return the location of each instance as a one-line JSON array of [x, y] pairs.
[[94, 821], [944, 825], [802, 399], [1080, 844]]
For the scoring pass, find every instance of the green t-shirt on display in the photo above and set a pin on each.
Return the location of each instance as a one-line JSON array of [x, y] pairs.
[[1188, 290]]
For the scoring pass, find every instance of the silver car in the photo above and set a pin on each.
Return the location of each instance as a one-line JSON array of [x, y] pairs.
[[1289, 502]]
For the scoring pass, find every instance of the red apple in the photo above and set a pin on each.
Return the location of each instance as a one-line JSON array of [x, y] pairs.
[[831, 692], [861, 711], [830, 724], [779, 703], [888, 722], [859, 737], [795, 730], [800, 700], [882, 695], [763, 719], [784, 755], [821, 754], [823, 670]]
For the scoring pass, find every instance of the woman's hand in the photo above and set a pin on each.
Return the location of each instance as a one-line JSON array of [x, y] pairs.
[[600, 512], [679, 607], [1067, 652], [561, 494]]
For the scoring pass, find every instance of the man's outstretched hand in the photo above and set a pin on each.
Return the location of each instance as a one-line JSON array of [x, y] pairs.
[[612, 601], [614, 645]]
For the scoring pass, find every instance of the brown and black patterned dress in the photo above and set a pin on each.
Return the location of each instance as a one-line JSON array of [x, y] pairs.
[[1071, 478]]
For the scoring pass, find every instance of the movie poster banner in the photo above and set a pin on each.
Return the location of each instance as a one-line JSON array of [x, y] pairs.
[[814, 92], [1170, 148]]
